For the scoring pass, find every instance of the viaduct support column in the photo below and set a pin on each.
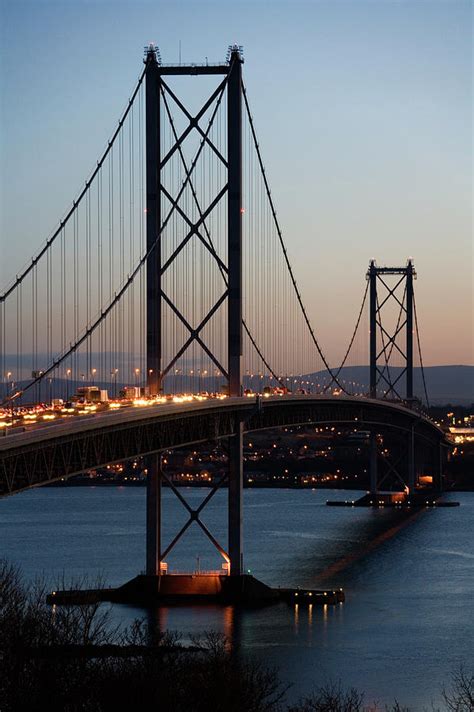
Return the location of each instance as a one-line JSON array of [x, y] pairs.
[[236, 476], [438, 479], [153, 515], [373, 462], [153, 226], [411, 461]]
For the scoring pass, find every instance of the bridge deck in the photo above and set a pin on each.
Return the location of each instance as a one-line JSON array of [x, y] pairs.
[[52, 451], [41, 433]]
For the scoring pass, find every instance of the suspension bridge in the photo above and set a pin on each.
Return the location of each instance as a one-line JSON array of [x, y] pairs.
[[166, 295]]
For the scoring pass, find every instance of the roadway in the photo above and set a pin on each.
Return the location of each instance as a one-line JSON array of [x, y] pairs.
[[35, 432]]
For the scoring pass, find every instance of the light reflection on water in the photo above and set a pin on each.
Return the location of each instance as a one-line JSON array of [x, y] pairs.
[[408, 577]]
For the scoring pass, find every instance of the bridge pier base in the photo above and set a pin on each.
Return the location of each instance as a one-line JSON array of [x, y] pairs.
[[235, 501], [438, 471], [153, 515], [411, 462]]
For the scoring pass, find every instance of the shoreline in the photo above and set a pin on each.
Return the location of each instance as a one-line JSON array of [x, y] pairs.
[[253, 485]]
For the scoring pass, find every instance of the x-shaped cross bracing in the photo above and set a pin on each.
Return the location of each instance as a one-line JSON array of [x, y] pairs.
[[391, 343], [193, 227], [194, 517], [194, 122]]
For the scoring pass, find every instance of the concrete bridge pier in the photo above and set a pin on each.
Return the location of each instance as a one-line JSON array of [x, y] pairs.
[[373, 464], [442, 461], [153, 515], [411, 462], [438, 477]]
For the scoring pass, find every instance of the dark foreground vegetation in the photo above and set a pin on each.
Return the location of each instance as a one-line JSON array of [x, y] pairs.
[[71, 659]]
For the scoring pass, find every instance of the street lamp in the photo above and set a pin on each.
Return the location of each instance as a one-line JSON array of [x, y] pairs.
[[9, 374], [93, 372], [147, 384], [6, 379], [137, 373], [68, 373], [113, 373], [13, 407]]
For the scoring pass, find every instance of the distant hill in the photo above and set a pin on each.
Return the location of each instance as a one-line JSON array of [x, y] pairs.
[[445, 384]]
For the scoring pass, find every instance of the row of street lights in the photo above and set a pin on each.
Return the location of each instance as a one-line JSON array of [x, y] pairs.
[[201, 373]]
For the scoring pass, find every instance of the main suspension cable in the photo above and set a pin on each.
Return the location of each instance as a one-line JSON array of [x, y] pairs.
[[352, 338], [209, 238], [19, 278], [419, 353], [283, 247], [155, 245]]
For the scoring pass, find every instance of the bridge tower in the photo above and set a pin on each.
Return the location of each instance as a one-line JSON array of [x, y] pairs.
[[156, 370], [385, 343], [400, 294]]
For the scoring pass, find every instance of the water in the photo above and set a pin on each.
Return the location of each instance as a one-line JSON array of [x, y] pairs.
[[407, 622]]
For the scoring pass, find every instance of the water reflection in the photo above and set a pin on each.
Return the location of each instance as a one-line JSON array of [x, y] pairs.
[[344, 561], [231, 629], [190, 621], [364, 537]]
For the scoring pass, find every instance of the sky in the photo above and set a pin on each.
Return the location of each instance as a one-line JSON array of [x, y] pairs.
[[363, 110]]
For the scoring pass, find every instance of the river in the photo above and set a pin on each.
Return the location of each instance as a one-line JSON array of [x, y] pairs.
[[409, 578]]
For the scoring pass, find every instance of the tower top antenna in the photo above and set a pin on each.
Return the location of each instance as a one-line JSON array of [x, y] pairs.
[[152, 53], [235, 49]]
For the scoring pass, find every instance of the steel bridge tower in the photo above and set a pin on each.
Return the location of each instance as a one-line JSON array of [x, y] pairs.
[[383, 343], [377, 276], [156, 371]]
